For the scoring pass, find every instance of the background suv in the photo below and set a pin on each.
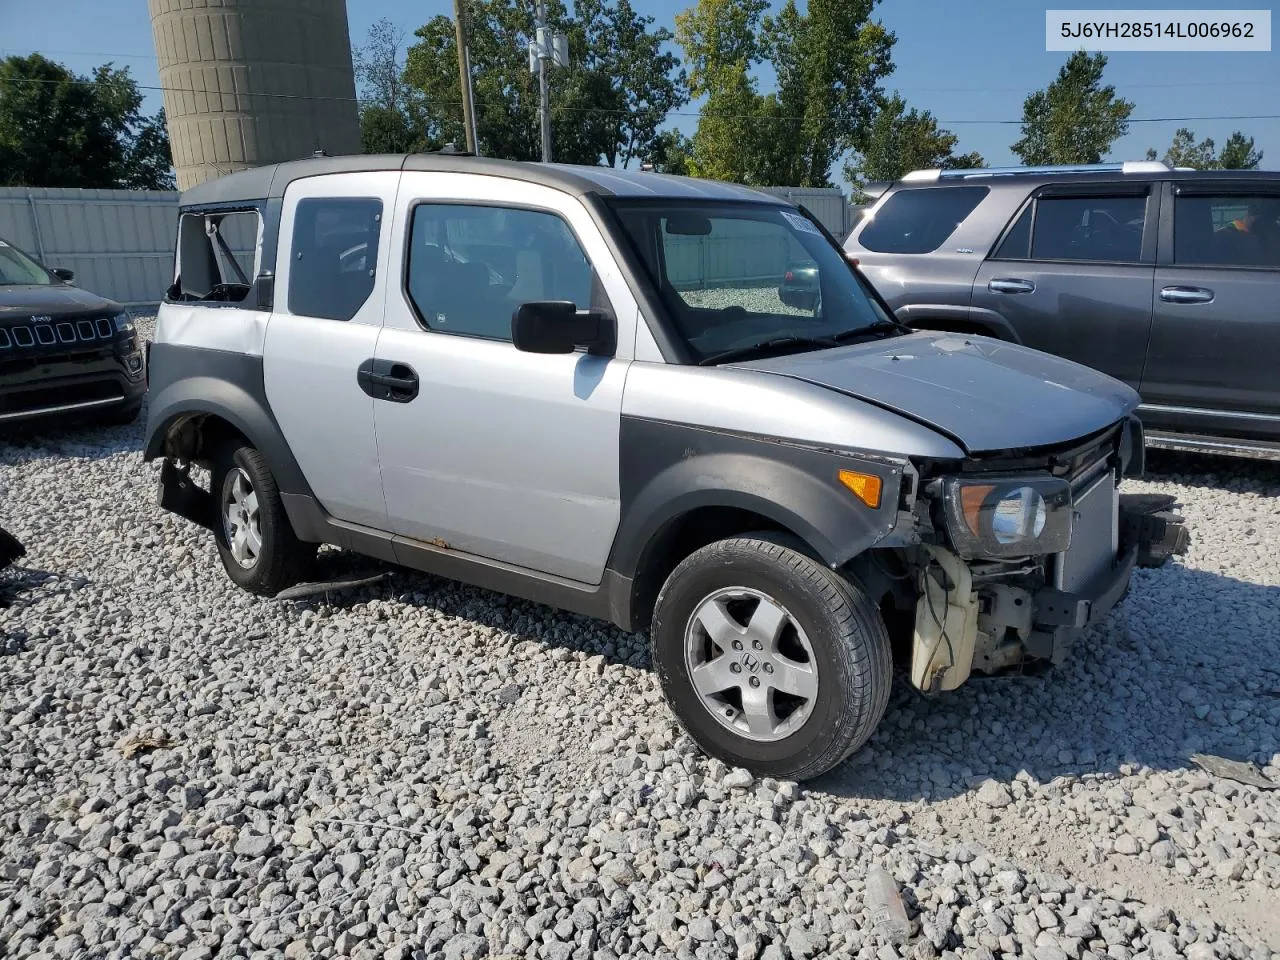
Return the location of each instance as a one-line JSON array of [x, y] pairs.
[[64, 352], [1166, 279]]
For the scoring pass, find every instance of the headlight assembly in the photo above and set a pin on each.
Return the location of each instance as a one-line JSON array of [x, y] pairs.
[[1008, 516], [123, 322]]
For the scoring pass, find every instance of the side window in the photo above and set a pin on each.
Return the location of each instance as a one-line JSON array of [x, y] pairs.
[[471, 266], [334, 256], [919, 220], [1228, 231], [1089, 228], [217, 253], [1017, 242]]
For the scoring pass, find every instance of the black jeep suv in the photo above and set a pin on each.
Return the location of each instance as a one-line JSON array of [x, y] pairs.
[[65, 353]]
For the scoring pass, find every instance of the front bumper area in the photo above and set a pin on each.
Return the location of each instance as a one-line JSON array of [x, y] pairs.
[[72, 387], [1150, 534], [971, 619]]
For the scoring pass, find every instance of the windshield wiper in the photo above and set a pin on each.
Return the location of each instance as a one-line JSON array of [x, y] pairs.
[[765, 346], [876, 326]]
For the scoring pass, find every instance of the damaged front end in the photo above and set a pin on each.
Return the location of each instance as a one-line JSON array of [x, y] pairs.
[[1011, 560]]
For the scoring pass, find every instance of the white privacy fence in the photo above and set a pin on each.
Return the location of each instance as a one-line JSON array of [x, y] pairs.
[[120, 242]]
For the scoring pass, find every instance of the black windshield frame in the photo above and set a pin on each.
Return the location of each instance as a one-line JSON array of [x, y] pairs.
[[635, 220]]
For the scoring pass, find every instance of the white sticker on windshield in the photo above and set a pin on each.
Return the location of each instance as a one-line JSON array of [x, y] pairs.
[[801, 222]]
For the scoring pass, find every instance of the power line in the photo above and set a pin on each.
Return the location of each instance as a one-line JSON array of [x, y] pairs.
[[909, 88], [606, 110]]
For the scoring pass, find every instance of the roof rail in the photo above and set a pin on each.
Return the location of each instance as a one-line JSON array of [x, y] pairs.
[[1128, 166]]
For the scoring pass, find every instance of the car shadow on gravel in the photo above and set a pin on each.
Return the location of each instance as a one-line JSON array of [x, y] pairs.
[[1189, 663], [1205, 471]]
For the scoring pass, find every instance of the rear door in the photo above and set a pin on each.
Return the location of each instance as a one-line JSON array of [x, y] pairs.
[[1073, 274], [1216, 335], [334, 246]]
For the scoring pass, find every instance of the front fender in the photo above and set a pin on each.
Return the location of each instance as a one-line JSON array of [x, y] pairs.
[[670, 469]]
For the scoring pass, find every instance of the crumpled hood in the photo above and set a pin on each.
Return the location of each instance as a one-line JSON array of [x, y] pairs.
[[23, 300], [985, 394]]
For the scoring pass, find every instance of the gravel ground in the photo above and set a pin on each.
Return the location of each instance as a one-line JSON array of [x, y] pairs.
[[419, 769]]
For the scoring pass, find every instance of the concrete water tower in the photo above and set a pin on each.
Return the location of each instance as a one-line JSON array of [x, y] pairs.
[[250, 82]]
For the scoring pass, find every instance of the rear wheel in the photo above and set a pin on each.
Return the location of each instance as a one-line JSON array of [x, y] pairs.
[[771, 660], [256, 542]]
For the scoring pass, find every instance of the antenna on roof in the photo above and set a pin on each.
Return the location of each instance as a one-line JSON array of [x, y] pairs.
[[451, 149], [319, 152]]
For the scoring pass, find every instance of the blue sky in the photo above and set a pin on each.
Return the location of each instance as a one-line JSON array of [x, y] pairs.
[[964, 60]]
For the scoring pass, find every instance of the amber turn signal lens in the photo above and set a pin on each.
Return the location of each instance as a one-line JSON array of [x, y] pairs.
[[971, 499], [865, 486]]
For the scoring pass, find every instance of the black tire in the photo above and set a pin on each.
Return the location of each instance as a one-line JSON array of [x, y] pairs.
[[851, 653], [282, 560]]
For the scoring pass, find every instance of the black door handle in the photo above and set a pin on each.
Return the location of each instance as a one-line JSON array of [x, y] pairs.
[[388, 380]]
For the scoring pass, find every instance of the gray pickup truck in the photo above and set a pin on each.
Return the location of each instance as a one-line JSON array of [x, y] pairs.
[[581, 386]]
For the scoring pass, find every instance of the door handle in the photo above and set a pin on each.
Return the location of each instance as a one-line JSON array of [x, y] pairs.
[[1186, 295], [1011, 285], [388, 380]]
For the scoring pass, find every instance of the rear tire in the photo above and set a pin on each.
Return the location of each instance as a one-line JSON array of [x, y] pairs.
[[760, 608], [255, 540]]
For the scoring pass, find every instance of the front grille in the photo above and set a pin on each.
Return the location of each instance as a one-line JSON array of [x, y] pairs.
[[27, 335]]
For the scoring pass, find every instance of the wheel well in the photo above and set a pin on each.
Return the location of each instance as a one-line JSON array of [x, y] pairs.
[[680, 537], [195, 436]]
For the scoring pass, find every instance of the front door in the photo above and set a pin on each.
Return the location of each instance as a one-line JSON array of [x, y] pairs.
[[1216, 335], [333, 247], [1073, 275], [485, 449]]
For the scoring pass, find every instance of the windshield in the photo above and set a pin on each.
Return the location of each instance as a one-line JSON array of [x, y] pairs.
[[737, 275], [17, 268]]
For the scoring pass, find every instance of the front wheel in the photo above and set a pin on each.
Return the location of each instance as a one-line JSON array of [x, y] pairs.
[[770, 660], [257, 544]]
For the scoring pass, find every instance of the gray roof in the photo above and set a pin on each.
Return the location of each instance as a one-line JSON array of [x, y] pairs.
[[260, 183]]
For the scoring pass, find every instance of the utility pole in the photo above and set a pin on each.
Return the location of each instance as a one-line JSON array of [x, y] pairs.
[[464, 77], [546, 49], [544, 82]]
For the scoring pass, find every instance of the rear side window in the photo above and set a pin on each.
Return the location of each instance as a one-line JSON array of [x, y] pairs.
[[217, 256], [1089, 228], [919, 220], [1227, 231], [334, 256]]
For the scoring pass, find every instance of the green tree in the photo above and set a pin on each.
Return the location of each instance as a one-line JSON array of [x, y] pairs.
[[1184, 151], [1238, 153], [1076, 119], [720, 46], [900, 140], [828, 63], [58, 129], [606, 105], [392, 115], [670, 153]]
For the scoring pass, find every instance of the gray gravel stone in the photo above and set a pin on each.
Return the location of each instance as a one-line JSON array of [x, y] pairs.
[[422, 769]]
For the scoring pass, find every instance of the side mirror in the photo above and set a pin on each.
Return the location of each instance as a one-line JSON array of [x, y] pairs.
[[63, 274], [558, 326]]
